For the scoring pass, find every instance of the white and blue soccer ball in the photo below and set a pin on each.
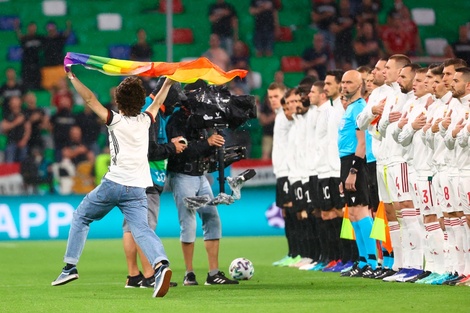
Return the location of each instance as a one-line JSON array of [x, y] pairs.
[[241, 269]]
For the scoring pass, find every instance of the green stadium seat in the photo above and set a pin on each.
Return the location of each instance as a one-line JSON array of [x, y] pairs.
[[292, 79], [43, 98], [267, 67]]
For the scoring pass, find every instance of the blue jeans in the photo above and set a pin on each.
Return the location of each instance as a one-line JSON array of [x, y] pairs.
[[132, 202], [13, 153], [184, 186]]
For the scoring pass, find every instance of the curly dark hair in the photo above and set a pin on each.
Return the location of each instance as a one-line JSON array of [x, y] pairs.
[[130, 96]]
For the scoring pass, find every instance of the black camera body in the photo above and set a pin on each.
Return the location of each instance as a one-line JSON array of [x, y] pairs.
[[213, 105]]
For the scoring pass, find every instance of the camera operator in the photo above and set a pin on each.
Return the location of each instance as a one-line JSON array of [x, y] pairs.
[[186, 173]]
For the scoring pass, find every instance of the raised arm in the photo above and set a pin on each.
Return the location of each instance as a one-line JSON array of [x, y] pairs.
[[160, 97], [88, 96]]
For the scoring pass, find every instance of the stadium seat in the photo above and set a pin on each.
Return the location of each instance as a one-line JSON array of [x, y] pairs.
[[7, 22], [119, 51], [14, 54], [54, 7], [109, 21], [291, 64], [423, 16], [435, 46], [177, 6], [183, 36], [285, 34]]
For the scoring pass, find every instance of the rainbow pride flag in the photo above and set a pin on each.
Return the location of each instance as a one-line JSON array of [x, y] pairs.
[[183, 72]]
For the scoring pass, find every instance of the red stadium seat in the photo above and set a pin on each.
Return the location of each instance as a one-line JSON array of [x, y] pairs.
[[291, 64], [183, 36], [177, 6], [285, 34]]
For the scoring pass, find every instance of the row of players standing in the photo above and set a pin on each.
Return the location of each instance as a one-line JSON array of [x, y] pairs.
[[415, 126]]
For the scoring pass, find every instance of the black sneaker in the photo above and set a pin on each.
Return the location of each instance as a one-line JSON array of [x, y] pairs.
[[134, 281], [162, 280], [359, 271], [66, 276], [353, 270], [368, 271], [190, 279], [420, 276], [219, 279], [150, 283], [378, 271], [386, 273]]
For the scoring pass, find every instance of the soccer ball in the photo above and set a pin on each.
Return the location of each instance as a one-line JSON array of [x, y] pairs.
[[241, 269]]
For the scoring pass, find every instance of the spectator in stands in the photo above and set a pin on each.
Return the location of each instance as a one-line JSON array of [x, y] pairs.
[[11, 87], [35, 171], [91, 127], [38, 120], [75, 149], [60, 124], [279, 77], [216, 54], [59, 91], [316, 56], [54, 53], [461, 48], [369, 12], [31, 44], [323, 15], [18, 130], [366, 45], [343, 29], [141, 50], [224, 23], [394, 36], [240, 59], [411, 28], [266, 26]]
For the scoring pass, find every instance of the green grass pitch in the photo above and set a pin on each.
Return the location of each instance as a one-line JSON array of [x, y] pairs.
[[27, 269]]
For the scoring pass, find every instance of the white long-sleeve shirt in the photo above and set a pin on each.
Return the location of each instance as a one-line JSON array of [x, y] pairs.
[[441, 154], [460, 146], [328, 163], [297, 150], [280, 143], [310, 145], [365, 118], [419, 154], [390, 151]]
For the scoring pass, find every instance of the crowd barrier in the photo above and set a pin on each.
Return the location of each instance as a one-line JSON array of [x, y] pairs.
[[48, 217]]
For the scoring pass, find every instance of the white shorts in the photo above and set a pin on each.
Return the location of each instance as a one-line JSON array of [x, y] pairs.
[[464, 191], [413, 186], [393, 183], [448, 192], [428, 203]]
